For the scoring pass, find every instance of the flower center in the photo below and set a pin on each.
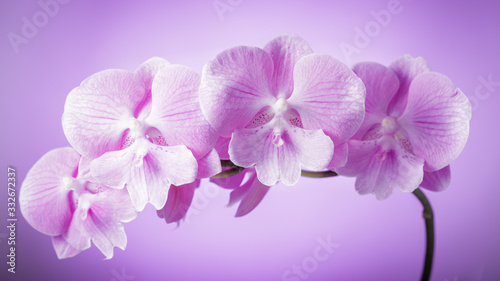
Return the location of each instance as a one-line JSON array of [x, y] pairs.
[[389, 125], [74, 184], [137, 128], [280, 107]]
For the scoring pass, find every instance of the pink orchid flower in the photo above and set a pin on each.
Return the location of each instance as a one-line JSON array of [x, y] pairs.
[[245, 186], [142, 130], [246, 189], [60, 198], [416, 123], [283, 107]]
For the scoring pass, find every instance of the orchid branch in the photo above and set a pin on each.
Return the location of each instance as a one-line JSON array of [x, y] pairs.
[[429, 228], [235, 169], [324, 174]]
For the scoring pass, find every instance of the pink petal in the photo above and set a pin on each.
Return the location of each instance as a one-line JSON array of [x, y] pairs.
[[63, 249], [339, 158], [381, 86], [310, 149], [235, 86], [101, 222], [96, 113], [285, 51], [406, 68], [328, 96], [147, 72], [114, 205], [178, 202], [254, 147], [222, 147], [380, 171], [104, 233], [313, 148], [113, 167], [44, 197], [438, 180], [252, 197], [148, 177], [176, 111], [239, 190], [209, 165], [436, 120]]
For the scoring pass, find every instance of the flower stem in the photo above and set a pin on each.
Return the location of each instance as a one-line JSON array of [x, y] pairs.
[[429, 229], [228, 173], [235, 169], [324, 174]]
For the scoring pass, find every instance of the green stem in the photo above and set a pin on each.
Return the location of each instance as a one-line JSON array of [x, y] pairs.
[[228, 173], [237, 169], [429, 229], [324, 174]]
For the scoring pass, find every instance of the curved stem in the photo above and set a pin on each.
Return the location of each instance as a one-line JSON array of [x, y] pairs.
[[429, 229], [235, 169], [228, 173], [324, 174]]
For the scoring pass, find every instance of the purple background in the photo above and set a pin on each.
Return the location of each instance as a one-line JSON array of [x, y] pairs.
[[379, 240]]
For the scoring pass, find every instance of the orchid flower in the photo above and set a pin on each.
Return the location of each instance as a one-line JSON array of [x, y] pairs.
[[416, 124], [143, 130], [60, 198], [245, 186], [283, 107]]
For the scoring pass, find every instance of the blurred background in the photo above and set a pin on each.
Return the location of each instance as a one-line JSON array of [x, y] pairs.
[[48, 47]]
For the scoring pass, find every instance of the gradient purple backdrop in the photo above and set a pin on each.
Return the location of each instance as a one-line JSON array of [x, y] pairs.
[[378, 240]]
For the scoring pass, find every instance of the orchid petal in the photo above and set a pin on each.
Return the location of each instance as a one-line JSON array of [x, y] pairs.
[[249, 147], [209, 165], [234, 87], [147, 169], [252, 197], [96, 113], [240, 190], [44, 197], [381, 84], [406, 68], [379, 170], [101, 222], [104, 232], [328, 96], [311, 149], [147, 72], [285, 51], [339, 158], [222, 147], [176, 111], [438, 180], [178, 202], [63, 249], [436, 120]]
